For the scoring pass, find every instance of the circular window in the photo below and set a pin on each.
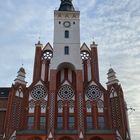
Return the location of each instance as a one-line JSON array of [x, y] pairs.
[[85, 55], [66, 92], [47, 55], [93, 93], [39, 92]]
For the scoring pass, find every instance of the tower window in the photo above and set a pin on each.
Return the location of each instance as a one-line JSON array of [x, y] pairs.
[[59, 122], [66, 50], [66, 34], [30, 122], [89, 122], [101, 122]]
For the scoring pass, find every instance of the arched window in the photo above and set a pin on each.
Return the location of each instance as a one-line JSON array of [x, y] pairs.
[[66, 34], [89, 121], [42, 122], [101, 122], [66, 50], [59, 122], [30, 122]]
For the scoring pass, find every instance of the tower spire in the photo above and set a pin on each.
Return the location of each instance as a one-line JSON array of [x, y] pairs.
[[112, 79], [66, 5], [21, 77]]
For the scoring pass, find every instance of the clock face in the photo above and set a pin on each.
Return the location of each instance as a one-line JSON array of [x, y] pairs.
[[66, 24]]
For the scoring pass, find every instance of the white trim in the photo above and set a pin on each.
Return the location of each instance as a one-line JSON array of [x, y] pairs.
[[3, 109], [93, 83], [39, 83], [81, 135], [50, 136]]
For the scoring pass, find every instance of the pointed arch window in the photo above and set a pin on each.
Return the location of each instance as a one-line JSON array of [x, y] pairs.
[[42, 122], [101, 122], [30, 122], [71, 122], [60, 122], [89, 121]]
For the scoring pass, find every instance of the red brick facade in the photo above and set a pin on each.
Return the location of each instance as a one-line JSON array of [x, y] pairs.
[[64, 103]]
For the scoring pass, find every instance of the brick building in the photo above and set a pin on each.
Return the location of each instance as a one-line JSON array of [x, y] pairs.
[[65, 100]]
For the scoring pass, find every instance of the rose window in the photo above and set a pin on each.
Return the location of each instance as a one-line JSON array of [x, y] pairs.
[[39, 92], [66, 92], [47, 55], [85, 55], [93, 93]]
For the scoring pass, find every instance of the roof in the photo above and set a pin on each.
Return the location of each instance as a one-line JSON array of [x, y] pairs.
[[22, 70], [66, 5], [4, 92]]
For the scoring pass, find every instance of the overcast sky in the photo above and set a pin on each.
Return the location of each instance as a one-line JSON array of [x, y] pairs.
[[113, 24]]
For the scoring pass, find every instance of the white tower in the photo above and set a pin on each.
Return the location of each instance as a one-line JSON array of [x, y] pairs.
[[66, 36]]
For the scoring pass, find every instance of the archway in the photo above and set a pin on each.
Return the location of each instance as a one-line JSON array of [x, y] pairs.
[[66, 65]]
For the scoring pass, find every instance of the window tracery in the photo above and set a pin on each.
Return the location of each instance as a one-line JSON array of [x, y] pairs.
[[85, 55], [38, 92], [66, 92], [93, 93], [47, 55]]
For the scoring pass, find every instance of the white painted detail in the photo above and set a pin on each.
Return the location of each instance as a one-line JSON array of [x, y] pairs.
[[3, 135], [58, 98], [62, 75], [118, 135], [50, 136], [30, 97], [113, 94], [89, 71], [102, 97], [81, 135], [39, 83], [17, 93], [84, 47], [73, 98], [93, 83], [43, 72], [100, 110], [13, 136], [43, 109], [46, 98], [112, 77], [71, 110], [20, 77], [89, 110], [21, 95], [60, 110], [86, 98], [48, 47], [66, 83], [127, 136], [31, 110], [70, 75]]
